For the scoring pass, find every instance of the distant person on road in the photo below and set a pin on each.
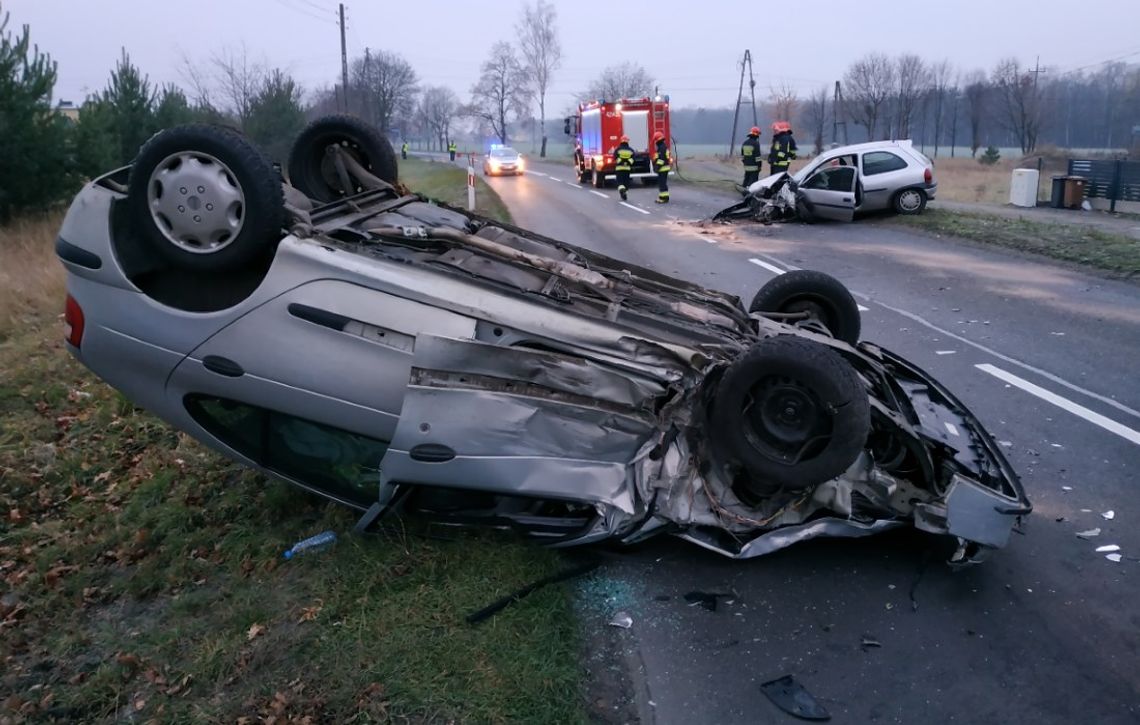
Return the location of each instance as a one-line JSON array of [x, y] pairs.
[[783, 150], [623, 164], [661, 164], [451, 149], [404, 151], [750, 154]]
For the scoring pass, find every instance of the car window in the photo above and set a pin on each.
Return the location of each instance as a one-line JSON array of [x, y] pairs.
[[504, 152], [343, 464], [832, 178], [880, 162]]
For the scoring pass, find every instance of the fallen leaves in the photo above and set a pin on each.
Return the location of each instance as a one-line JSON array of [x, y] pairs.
[[255, 631], [308, 614]]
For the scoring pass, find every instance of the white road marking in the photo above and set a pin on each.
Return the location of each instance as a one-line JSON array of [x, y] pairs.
[[631, 206], [944, 352], [952, 428], [770, 267], [705, 238], [862, 308], [1011, 360], [538, 173], [570, 183], [598, 193], [1080, 411]]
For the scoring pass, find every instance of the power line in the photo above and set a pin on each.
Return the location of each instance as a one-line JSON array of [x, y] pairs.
[[301, 10]]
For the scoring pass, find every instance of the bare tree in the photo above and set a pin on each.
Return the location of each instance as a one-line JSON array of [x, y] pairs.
[[954, 93], [501, 92], [626, 80], [913, 79], [1018, 102], [438, 108], [238, 79], [541, 52], [384, 88], [784, 100], [870, 82], [977, 94], [940, 74], [814, 112]]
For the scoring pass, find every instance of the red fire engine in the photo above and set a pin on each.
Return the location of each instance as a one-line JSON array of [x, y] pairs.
[[598, 125]]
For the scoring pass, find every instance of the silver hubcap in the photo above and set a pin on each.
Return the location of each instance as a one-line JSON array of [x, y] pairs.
[[196, 202], [910, 200]]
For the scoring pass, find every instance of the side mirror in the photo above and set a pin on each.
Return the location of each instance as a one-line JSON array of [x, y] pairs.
[[566, 125]]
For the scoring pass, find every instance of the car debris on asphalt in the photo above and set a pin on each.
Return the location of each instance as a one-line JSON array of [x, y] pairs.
[[790, 696], [1088, 534], [622, 620]]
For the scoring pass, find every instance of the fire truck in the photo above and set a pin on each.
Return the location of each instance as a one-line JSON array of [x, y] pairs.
[[598, 125]]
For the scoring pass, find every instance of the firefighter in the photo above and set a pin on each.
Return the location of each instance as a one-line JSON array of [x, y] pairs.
[[404, 151], [623, 164], [451, 149], [750, 155], [783, 150], [661, 164]]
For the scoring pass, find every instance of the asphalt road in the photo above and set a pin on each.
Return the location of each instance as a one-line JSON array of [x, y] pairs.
[[1046, 631]]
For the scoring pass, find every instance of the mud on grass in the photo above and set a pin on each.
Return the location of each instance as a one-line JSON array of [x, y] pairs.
[[142, 579], [1115, 253]]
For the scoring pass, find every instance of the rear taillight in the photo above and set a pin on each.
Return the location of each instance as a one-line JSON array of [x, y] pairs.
[[73, 316], [928, 176]]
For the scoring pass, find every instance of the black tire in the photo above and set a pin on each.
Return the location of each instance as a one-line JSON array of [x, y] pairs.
[[599, 178], [247, 196], [804, 212], [909, 202], [309, 167], [806, 290], [793, 413]]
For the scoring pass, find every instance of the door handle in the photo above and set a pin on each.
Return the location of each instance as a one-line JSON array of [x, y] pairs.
[[222, 366], [846, 198], [432, 453]]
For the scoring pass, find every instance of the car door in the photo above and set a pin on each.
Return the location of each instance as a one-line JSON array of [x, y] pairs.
[[829, 192], [312, 382], [884, 173]]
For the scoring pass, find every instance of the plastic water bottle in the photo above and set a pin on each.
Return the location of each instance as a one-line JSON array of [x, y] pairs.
[[322, 540]]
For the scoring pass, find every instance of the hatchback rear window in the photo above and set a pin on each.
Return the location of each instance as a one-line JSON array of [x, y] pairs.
[[880, 162]]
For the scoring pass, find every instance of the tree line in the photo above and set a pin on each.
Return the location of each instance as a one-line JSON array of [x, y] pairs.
[[942, 107]]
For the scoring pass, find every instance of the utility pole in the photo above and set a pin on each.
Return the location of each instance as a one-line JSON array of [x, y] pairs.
[[343, 61], [1037, 70], [838, 107], [740, 98]]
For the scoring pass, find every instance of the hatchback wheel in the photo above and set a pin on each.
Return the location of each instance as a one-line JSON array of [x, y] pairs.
[[910, 201]]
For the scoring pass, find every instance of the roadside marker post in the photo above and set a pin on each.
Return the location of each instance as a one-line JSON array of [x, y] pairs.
[[471, 182]]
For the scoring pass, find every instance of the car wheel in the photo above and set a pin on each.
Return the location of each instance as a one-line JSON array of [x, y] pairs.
[[792, 412], [312, 170], [599, 179], [910, 201], [822, 297], [204, 198], [803, 212]]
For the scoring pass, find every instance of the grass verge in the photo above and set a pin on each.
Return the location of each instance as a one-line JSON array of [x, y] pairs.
[[141, 575], [446, 182], [1107, 251]]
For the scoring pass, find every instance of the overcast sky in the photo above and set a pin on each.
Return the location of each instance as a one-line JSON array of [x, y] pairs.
[[696, 61]]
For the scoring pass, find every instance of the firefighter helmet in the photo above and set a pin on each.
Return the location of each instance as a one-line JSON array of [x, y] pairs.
[[781, 127], [658, 136], [623, 139], [754, 131]]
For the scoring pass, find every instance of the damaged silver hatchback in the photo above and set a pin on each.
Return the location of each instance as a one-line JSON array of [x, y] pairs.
[[399, 355]]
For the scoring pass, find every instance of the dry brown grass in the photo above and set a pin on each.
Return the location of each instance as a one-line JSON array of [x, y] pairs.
[[964, 179], [31, 277]]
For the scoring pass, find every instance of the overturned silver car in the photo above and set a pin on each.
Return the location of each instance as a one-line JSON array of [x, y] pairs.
[[398, 355]]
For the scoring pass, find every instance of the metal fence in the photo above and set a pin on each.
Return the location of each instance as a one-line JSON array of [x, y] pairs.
[[1113, 180]]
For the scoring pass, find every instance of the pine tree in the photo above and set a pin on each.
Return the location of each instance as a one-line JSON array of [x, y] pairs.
[[33, 148], [276, 115]]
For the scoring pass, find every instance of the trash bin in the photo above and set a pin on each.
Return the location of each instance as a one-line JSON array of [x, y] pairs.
[[1074, 191], [1057, 197]]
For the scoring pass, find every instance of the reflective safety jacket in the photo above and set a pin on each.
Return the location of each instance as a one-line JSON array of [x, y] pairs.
[[661, 158], [623, 158], [750, 153], [783, 150], [451, 146]]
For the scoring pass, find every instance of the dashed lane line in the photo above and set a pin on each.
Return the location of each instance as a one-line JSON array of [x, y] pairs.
[[598, 193], [631, 206], [1080, 411]]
